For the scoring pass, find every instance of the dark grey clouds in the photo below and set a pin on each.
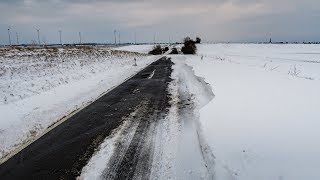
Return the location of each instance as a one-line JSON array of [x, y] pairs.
[[214, 20]]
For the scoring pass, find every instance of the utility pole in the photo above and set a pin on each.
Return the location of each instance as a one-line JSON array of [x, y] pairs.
[[135, 38], [9, 35], [154, 38], [169, 40], [60, 37], [115, 37], [38, 32], [79, 37], [17, 38]]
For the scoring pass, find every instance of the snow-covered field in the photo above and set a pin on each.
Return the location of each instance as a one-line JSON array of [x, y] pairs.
[[263, 122], [136, 48], [39, 87]]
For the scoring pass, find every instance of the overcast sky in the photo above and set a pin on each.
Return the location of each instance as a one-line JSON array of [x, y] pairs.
[[213, 20]]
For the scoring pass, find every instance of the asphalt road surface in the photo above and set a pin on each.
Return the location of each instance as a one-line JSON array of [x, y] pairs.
[[65, 150]]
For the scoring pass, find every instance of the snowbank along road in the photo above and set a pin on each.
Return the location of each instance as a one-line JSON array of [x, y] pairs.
[[63, 152]]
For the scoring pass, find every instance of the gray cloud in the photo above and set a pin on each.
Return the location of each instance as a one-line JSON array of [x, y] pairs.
[[214, 20]]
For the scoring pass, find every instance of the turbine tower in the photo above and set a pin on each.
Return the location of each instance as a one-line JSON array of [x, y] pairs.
[[60, 37], [119, 38], [79, 37], [38, 32], [17, 38], [115, 37], [9, 35]]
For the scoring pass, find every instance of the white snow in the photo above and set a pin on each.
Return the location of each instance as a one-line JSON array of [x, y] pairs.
[[136, 48], [194, 159], [263, 122], [37, 91]]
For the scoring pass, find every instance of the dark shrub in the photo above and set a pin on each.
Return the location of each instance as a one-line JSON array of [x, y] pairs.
[[188, 50], [189, 46], [157, 50], [174, 51], [165, 49], [198, 40]]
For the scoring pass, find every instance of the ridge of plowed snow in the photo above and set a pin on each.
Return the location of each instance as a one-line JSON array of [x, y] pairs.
[[195, 159]]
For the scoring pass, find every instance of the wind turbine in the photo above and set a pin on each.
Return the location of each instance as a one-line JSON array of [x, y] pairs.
[[115, 37], [60, 37], [9, 35], [79, 37], [119, 37], [17, 38], [38, 32]]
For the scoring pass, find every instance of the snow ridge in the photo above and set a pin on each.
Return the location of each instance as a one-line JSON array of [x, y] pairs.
[[194, 94]]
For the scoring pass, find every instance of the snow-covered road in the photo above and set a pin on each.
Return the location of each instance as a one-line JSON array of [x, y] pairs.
[[243, 111], [40, 87], [131, 111]]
